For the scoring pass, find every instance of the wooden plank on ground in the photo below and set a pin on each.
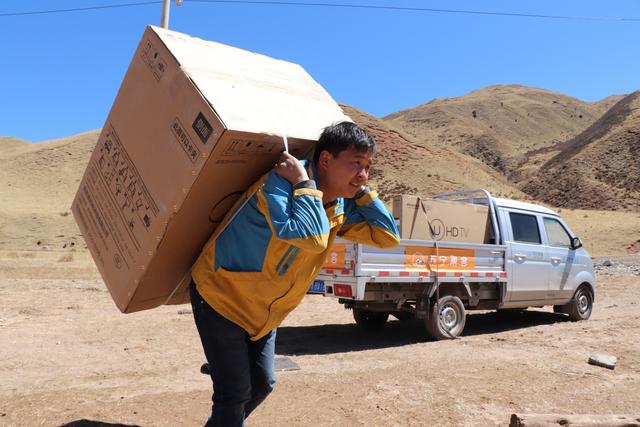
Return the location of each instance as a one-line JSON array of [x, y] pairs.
[[566, 420]]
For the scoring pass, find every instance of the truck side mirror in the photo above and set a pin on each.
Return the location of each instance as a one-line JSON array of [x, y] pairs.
[[576, 243]]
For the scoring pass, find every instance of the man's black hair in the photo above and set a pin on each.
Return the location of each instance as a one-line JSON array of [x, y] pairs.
[[339, 137]]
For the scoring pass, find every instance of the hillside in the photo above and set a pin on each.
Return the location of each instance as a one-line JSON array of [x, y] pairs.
[[608, 102], [10, 146], [38, 181], [597, 169], [499, 125], [37, 185], [403, 166]]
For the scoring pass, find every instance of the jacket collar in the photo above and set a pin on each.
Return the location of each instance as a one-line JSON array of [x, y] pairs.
[[333, 208]]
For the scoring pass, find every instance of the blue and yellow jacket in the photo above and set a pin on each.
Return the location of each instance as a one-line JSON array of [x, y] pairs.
[[261, 265]]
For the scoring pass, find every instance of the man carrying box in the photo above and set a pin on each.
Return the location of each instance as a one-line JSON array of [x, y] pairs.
[[259, 267]]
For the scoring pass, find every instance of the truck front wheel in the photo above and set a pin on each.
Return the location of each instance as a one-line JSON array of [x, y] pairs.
[[581, 305], [370, 320], [447, 318]]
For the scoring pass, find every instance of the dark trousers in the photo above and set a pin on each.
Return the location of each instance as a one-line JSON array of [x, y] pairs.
[[242, 370]]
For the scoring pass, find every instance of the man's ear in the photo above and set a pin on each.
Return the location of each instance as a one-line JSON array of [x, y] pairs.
[[323, 159]]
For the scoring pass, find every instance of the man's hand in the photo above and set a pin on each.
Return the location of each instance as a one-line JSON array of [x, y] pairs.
[[291, 169]]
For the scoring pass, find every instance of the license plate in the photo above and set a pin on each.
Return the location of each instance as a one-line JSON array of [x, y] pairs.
[[317, 287]]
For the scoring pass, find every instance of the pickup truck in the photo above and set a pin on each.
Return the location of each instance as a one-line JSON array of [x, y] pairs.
[[532, 259]]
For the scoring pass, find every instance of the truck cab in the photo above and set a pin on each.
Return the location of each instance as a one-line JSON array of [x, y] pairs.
[[544, 259]]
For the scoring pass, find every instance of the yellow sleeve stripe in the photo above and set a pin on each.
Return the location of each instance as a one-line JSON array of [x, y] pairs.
[[367, 198], [307, 192], [369, 235], [386, 238]]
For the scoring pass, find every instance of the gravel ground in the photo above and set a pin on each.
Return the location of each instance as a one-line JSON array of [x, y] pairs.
[[617, 265]]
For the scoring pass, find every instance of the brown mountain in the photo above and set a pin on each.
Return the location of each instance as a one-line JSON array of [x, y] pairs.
[[597, 169], [499, 125], [608, 102], [38, 181], [404, 166], [10, 145], [37, 185]]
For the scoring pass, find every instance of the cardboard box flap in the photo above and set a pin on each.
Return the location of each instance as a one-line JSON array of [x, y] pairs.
[[252, 92]]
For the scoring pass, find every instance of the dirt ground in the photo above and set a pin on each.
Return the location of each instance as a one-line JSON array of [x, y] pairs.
[[67, 354]]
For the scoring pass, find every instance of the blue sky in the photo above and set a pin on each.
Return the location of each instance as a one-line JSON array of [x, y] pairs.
[[60, 72]]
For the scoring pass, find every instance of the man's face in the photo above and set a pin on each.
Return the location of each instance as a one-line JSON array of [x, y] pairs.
[[343, 175]]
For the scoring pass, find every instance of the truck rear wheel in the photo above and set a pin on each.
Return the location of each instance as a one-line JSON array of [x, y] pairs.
[[447, 318], [370, 320]]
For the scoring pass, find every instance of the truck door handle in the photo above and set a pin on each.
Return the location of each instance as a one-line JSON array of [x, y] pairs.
[[520, 256], [555, 260]]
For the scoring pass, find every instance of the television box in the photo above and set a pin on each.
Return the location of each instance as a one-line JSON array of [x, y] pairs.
[[450, 221], [194, 124]]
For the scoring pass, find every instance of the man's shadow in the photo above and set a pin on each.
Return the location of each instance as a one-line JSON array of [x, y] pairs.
[[340, 338], [91, 423]]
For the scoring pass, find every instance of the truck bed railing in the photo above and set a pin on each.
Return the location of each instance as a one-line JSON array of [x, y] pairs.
[[462, 260]]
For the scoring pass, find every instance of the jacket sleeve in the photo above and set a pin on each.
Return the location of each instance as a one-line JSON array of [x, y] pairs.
[[295, 213], [369, 222]]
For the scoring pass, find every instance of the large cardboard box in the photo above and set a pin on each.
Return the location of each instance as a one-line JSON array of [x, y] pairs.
[[193, 125], [450, 221]]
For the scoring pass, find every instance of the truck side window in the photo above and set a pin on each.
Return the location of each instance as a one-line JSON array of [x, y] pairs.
[[525, 228], [556, 233]]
